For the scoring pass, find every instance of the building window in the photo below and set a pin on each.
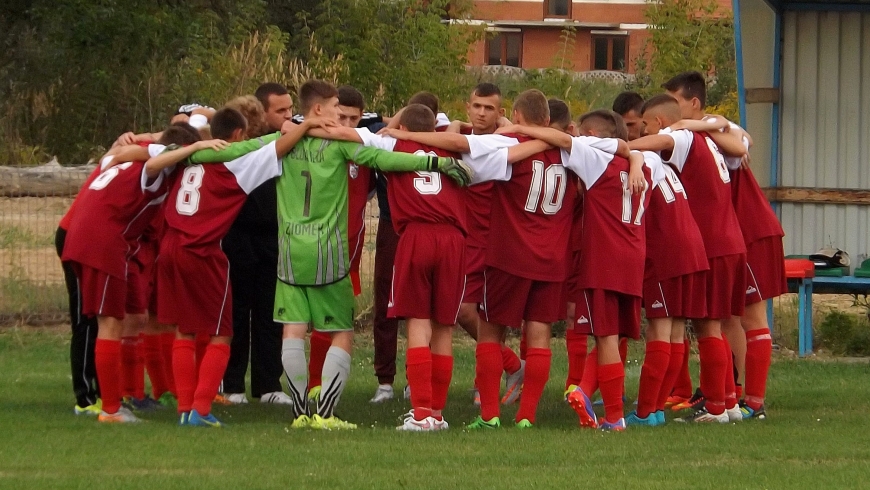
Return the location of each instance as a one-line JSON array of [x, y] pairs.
[[557, 8], [610, 53], [505, 49]]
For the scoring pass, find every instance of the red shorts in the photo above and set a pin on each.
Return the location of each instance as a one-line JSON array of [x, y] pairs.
[[678, 297], [428, 273], [510, 299], [146, 258], [193, 289], [101, 294], [475, 264], [726, 286], [572, 287], [765, 269], [137, 298], [603, 313]]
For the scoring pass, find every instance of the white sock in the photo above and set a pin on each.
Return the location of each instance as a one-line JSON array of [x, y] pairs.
[[296, 369], [336, 369]]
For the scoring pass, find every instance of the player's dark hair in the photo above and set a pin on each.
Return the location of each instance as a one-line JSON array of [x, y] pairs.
[[560, 114], [627, 102], [689, 84], [428, 99], [663, 102], [607, 124], [226, 121], [269, 88], [351, 97], [418, 118], [486, 89], [314, 92], [532, 104], [179, 133]]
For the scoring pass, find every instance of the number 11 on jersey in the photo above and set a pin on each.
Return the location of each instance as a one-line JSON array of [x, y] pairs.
[[626, 201]]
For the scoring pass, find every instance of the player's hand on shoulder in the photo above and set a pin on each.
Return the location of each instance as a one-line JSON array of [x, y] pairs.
[[509, 128], [320, 122], [394, 133], [211, 145], [128, 138], [503, 121]]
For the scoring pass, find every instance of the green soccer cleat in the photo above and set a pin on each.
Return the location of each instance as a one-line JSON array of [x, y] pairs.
[[479, 423], [330, 423], [167, 400], [524, 424], [197, 420], [301, 422], [92, 410]]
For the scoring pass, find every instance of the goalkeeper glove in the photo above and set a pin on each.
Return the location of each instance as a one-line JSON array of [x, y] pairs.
[[455, 168]]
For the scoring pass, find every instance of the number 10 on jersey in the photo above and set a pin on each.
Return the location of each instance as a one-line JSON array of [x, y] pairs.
[[552, 183]]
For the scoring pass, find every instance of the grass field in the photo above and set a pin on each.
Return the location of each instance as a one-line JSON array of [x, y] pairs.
[[816, 437]]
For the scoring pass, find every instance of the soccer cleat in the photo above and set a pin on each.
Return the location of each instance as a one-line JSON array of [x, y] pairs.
[[479, 423], [675, 400], [703, 415], [276, 397], [475, 397], [301, 422], [313, 395], [695, 403], [383, 393], [167, 400], [441, 424], [748, 413], [146, 404], [524, 424], [197, 420], [617, 426], [330, 423], [660, 415], [183, 418], [734, 414], [413, 425], [93, 409], [581, 404], [407, 393], [236, 398], [514, 385], [122, 416], [650, 420]]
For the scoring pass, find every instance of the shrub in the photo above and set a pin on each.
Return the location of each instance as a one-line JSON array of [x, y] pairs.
[[836, 331]]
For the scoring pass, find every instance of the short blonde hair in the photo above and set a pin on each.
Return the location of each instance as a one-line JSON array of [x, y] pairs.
[[252, 109]]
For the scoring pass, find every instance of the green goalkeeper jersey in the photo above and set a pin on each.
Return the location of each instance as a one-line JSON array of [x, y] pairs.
[[312, 202]]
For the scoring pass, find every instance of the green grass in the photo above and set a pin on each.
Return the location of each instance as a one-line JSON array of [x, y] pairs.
[[12, 236], [815, 438], [21, 297]]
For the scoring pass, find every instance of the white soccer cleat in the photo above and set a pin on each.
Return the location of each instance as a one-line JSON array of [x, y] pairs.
[[276, 397], [703, 415], [235, 398], [122, 416], [412, 425], [441, 424], [734, 414], [382, 394], [514, 385]]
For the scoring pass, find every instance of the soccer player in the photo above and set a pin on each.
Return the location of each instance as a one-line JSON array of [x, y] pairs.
[[762, 234], [251, 246], [629, 105], [705, 178], [112, 213]]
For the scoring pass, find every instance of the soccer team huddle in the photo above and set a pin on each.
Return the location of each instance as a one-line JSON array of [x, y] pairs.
[[502, 223]]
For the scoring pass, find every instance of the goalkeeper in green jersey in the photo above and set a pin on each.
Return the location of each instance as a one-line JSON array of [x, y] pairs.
[[313, 287]]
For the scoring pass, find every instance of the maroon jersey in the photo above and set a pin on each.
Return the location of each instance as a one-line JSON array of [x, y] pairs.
[[205, 199], [478, 199], [705, 177], [754, 213], [613, 245], [674, 246], [111, 214], [424, 197], [577, 217], [360, 184], [64, 222], [530, 222]]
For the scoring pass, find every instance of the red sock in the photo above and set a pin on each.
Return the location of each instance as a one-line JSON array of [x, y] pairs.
[[611, 378], [577, 347], [202, 341], [675, 364], [589, 381], [713, 366], [167, 341], [623, 349], [184, 372], [758, 349], [107, 358], [418, 366], [154, 364], [488, 370], [128, 365], [523, 347], [211, 373], [320, 344], [442, 373], [510, 362], [652, 375], [730, 385], [683, 383], [536, 376], [139, 369]]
